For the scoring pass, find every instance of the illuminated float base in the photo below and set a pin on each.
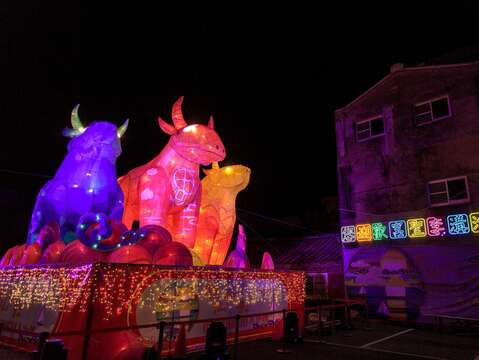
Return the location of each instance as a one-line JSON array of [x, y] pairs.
[[63, 298]]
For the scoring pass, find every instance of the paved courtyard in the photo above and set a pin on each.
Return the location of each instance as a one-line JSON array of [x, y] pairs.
[[379, 341]]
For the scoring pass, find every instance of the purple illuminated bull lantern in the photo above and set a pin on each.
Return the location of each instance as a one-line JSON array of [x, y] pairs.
[[85, 182]]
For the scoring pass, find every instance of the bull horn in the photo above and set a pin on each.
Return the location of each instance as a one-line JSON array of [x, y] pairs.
[[75, 119], [211, 123], [215, 165], [122, 129], [177, 115]]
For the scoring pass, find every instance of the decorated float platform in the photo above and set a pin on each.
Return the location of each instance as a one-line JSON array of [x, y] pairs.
[[107, 259], [69, 301]]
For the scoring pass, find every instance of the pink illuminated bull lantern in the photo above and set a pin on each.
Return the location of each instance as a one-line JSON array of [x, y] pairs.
[[167, 190]]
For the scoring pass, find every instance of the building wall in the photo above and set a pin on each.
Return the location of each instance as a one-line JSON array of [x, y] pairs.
[[388, 175], [385, 179]]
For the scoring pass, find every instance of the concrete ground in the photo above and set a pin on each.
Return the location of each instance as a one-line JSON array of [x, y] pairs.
[[378, 341]]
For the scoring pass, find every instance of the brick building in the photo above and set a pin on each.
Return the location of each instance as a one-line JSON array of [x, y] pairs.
[[408, 170]]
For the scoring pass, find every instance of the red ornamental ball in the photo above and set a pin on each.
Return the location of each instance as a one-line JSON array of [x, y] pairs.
[[53, 253], [8, 256], [152, 237], [174, 253], [130, 254], [17, 255], [31, 255], [75, 252], [49, 234]]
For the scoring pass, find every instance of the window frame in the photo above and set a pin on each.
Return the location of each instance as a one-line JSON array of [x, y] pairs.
[[449, 201], [430, 101], [368, 120]]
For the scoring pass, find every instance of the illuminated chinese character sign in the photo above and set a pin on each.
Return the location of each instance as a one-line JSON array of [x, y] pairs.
[[458, 224], [379, 231], [474, 219], [397, 229], [435, 226], [348, 234], [364, 232], [416, 228]]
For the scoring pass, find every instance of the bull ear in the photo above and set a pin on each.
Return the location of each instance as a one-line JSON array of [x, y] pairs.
[[71, 133], [167, 128], [211, 123]]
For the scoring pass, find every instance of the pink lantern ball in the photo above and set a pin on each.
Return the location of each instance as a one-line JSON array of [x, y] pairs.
[[75, 252], [53, 253], [130, 254], [152, 237], [174, 253], [31, 255]]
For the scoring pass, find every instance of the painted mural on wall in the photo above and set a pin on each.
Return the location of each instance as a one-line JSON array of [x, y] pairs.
[[389, 279], [410, 282]]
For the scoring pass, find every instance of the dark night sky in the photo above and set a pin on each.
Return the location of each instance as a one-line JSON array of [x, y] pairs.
[[272, 76]]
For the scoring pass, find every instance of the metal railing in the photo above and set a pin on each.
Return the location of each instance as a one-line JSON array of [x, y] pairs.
[[43, 336]]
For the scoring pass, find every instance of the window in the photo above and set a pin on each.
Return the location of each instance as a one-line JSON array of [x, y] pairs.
[[448, 191], [369, 129], [432, 110], [317, 285]]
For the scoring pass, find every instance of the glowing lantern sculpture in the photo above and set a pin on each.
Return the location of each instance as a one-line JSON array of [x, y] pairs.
[[238, 258], [218, 212], [169, 185], [267, 262], [86, 180]]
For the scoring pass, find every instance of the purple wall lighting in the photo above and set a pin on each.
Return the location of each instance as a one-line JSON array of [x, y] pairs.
[[458, 224], [397, 229], [435, 226]]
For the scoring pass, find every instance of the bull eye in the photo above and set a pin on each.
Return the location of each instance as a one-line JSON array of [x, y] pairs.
[[217, 147]]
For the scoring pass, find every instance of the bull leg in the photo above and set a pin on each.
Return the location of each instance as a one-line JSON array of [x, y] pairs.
[[154, 197], [185, 223], [117, 211], [206, 233]]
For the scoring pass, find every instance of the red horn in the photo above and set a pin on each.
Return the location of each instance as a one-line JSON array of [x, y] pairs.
[[211, 123], [177, 115]]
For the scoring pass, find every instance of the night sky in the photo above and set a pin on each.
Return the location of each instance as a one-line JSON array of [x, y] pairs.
[[272, 77]]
